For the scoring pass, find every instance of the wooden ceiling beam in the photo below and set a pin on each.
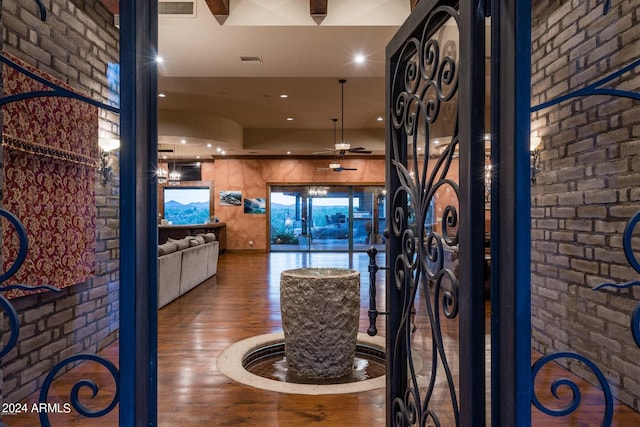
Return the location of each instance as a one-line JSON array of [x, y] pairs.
[[318, 7], [218, 7]]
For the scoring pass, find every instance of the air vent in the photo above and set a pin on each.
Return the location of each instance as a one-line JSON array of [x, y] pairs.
[[251, 59], [177, 8]]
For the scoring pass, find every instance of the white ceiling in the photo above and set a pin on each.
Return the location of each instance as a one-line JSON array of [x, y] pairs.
[[212, 97]]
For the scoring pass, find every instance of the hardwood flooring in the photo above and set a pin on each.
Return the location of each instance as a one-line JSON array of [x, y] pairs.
[[240, 302]]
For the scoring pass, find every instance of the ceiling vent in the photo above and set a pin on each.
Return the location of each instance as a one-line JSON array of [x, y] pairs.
[[177, 8], [182, 8], [251, 59]]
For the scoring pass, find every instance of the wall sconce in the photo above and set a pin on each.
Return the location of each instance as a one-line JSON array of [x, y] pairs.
[[105, 166], [534, 142], [105, 163], [535, 164]]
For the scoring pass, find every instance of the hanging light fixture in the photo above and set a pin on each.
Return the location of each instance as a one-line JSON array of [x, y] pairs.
[[162, 175], [317, 191], [342, 145], [174, 175]]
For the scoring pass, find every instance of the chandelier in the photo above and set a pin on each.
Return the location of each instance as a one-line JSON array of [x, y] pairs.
[[317, 191], [174, 175], [162, 175]]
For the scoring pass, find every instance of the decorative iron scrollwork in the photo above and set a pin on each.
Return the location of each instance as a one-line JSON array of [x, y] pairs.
[[424, 83], [74, 398], [14, 325], [12, 315], [596, 88], [635, 264], [576, 397], [42, 10], [56, 90]]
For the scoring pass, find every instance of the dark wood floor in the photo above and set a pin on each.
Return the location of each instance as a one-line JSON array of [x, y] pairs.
[[240, 302]]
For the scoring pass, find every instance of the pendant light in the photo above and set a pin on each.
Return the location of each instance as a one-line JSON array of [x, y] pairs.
[[342, 145], [174, 175], [162, 174]]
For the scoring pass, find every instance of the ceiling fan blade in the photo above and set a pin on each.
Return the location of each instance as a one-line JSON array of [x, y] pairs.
[[345, 169], [360, 150], [165, 150]]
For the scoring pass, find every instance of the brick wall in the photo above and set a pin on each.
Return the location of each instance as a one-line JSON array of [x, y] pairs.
[[74, 45], [588, 187]]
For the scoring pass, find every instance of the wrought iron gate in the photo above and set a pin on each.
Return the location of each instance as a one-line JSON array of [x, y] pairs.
[[435, 328], [436, 254], [436, 337]]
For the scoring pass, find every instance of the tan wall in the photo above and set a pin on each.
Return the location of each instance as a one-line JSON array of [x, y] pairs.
[[253, 176]]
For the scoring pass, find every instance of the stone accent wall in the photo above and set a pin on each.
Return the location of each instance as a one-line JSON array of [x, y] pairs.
[[75, 44], [588, 187]]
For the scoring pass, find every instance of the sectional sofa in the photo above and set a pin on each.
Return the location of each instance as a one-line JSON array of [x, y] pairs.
[[184, 264]]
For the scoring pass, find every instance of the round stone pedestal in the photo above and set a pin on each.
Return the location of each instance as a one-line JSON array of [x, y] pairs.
[[320, 315]]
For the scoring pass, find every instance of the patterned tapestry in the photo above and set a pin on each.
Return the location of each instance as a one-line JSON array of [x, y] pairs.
[[50, 155]]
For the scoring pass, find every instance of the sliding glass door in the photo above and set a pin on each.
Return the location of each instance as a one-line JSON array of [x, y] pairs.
[[326, 218]]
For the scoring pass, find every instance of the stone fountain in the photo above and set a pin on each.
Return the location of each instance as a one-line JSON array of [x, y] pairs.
[[320, 317]]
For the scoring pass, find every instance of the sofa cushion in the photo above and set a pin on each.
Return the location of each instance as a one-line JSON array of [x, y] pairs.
[[209, 237], [182, 243], [196, 240], [167, 248]]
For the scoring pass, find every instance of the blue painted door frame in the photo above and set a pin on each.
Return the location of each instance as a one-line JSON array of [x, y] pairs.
[[138, 207], [510, 213]]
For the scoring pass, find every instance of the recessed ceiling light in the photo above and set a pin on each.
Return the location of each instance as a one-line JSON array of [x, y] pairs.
[[284, 95], [359, 58], [436, 141], [223, 152], [290, 119], [197, 157], [379, 119], [183, 141], [164, 156], [218, 149], [288, 152], [159, 59], [162, 95], [208, 145]]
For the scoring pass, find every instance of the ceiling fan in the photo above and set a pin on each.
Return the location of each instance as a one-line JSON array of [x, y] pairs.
[[341, 148], [336, 167]]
